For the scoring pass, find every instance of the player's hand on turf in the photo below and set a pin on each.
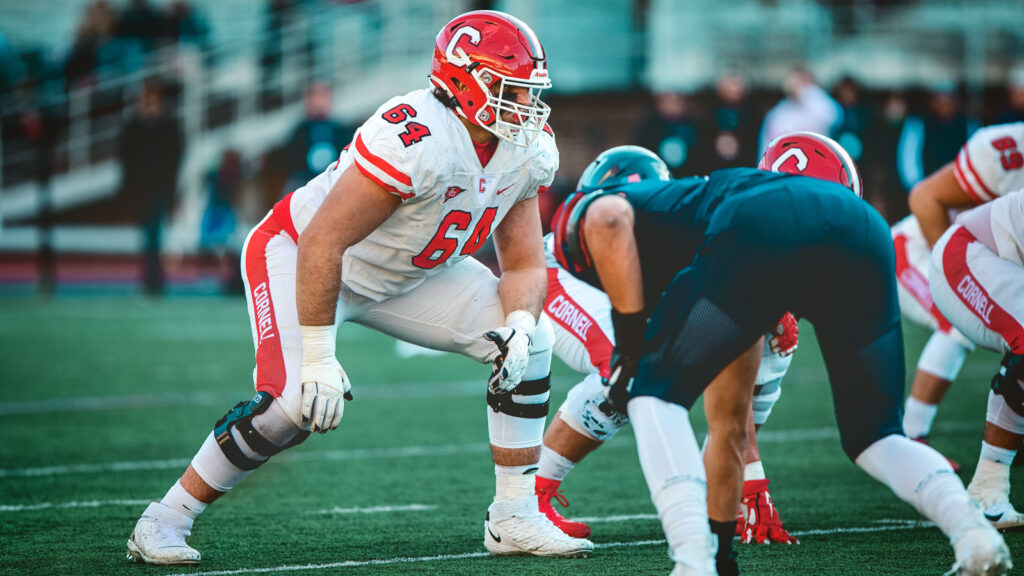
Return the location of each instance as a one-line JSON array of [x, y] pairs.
[[325, 387], [785, 335], [761, 521], [513, 341]]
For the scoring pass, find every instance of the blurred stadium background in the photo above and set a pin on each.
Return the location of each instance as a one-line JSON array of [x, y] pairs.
[[122, 120], [263, 93]]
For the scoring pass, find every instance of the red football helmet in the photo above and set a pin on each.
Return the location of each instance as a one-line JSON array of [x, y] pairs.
[[478, 58], [814, 155]]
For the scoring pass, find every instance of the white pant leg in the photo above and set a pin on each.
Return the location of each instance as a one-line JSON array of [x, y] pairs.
[[269, 259], [581, 317], [981, 293], [913, 262]]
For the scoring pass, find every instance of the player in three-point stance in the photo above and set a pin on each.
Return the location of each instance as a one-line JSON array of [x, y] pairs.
[[382, 238], [990, 165], [977, 272], [686, 255], [581, 316]]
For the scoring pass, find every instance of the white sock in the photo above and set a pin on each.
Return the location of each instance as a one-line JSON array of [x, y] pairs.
[[169, 516], [514, 482], [923, 478], [553, 465], [995, 454], [177, 498], [675, 475], [991, 482], [753, 471], [918, 417]]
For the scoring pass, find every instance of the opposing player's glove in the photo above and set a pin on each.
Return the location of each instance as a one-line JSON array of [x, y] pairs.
[[785, 335], [513, 341], [761, 523], [629, 345], [325, 386]]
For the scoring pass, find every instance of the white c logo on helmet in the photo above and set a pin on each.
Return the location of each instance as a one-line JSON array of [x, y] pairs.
[[457, 55], [801, 159]]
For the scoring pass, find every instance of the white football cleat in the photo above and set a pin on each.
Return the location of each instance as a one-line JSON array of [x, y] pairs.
[[159, 538], [981, 552], [1003, 516], [516, 527], [994, 500]]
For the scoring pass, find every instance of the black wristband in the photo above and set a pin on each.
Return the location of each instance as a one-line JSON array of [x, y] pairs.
[[629, 332]]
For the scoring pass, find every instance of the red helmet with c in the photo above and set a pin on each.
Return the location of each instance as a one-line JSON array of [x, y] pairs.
[[814, 155], [479, 58]]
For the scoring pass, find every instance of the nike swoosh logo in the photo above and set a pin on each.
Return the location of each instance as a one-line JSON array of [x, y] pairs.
[[503, 189], [991, 517], [489, 531]]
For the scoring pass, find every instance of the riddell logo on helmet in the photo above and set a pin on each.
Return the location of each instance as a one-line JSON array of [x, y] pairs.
[[452, 192]]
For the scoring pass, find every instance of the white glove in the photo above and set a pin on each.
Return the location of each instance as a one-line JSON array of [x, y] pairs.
[[325, 386], [513, 340]]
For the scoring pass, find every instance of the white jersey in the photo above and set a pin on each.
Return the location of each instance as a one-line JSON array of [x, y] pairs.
[[419, 150], [1004, 226], [991, 163]]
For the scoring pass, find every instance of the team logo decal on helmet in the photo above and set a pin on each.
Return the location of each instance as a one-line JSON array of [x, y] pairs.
[[623, 165], [493, 68], [814, 155]]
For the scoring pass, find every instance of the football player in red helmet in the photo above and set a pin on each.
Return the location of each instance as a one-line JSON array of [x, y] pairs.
[[814, 155], [394, 205], [492, 68]]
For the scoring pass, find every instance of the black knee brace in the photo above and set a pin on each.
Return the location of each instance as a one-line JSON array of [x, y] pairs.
[[505, 404], [240, 418], [1007, 382]]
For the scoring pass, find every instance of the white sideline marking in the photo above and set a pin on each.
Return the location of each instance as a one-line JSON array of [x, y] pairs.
[[376, 509], [84, 504], [764, 437], [885, 526]]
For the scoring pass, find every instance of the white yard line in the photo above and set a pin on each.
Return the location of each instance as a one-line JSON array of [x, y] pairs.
[[884, 526], [764, 437], [376, 509], [83, 504]]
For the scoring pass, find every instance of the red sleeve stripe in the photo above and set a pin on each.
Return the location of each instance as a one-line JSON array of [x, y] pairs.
[[283, 215], [547, 128], [969, 180], [383, 184], [381, 164]]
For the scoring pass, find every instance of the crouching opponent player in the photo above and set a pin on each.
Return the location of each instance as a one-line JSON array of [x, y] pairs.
[[581, 316], [684, 255], [978, 283]]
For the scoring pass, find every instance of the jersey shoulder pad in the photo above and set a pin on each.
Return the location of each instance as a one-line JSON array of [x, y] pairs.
[[544, 160], [390, 148], [991, 163]]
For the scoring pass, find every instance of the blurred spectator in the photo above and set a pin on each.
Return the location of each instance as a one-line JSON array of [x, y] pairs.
[[670, 130], [732, 126], [854, 122], [317, 140], [805, 106], [882, 187], [1014, 110], [185, 24], [141, 23], [930, 139], [92, 37], [216, 232], [150, 148]]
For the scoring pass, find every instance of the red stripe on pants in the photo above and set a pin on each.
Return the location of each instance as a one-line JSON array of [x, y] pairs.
[[568, 314], [270, 371], [973, 294], [916, 284]]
